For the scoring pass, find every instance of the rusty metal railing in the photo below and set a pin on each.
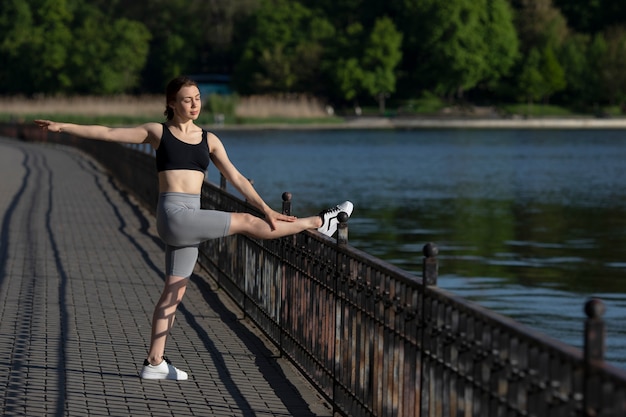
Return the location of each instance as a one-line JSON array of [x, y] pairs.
[[378, 341]]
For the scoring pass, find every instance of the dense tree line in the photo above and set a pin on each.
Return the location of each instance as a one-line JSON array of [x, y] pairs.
[[348, 51]]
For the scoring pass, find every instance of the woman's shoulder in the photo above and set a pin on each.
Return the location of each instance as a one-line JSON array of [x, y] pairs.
[[153, 131], [153, 127], [210, 135], [213, 141]]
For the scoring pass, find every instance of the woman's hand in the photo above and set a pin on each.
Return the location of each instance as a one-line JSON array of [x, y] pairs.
[[272, 216], [48, 125]]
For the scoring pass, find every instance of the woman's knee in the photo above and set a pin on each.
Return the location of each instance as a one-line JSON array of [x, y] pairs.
[[244, 223], [174, 290]]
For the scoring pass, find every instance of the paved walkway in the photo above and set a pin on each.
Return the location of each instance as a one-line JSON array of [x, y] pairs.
[[80, 272]]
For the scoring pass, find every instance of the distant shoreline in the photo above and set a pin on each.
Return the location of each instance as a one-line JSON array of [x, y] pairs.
[[441, 123]]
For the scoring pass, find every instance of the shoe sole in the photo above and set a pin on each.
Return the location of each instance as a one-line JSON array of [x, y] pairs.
[[161, 376]]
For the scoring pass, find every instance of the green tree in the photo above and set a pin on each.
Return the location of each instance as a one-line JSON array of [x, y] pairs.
[[211, 36], [36, 37], [574, 55], [129, 42], [530, 80], [381, 55], [593, 76], [177, 32], [55, 46], [553, 73], [539, 23], [542, 31], [16, 27], [541, 75], [458, 44], [285, 51], [502, 41], [343, 65], [612, 74], [348, 76], [50, 46], [108, 54]]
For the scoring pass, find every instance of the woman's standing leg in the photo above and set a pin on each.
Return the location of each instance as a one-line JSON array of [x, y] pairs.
[[164, 314], [157, 366]]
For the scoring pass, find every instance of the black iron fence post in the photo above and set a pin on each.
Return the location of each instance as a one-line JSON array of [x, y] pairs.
[[430, 269], [595, 330], [342, 228], [287, 203], [342, 275], [286, 210], [594, 347], [430, 266]]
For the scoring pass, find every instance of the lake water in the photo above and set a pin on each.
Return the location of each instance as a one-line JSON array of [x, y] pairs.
[[529, 223]]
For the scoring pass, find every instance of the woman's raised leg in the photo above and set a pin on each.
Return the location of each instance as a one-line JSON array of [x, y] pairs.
[[325, 222], [253, 226]]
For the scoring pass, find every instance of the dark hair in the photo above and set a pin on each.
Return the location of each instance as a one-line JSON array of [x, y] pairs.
[[173, 87]]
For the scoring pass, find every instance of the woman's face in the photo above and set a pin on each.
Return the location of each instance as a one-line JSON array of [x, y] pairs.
[[188, 103]]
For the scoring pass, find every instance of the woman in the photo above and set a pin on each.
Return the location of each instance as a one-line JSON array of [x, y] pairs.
[[183, 152]]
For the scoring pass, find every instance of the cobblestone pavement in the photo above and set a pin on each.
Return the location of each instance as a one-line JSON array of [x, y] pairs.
[[80, 273]]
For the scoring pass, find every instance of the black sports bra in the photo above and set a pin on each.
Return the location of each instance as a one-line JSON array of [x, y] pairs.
[[173, 153]]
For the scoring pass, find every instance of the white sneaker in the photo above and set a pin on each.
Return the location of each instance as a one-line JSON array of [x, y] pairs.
[[164, 370], [329, 217]]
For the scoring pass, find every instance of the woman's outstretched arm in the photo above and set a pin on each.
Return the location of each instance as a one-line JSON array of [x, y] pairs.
[[145, 133], [241, 183]]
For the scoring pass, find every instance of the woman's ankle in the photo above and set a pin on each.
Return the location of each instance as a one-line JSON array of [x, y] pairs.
[[155, 360]]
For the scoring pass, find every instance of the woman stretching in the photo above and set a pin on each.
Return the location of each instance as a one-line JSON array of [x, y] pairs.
[[183, 152]]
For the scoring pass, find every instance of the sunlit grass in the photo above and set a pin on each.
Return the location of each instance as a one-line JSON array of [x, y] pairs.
[[290, 120], [427, 103], [538, 110], [132, 110]]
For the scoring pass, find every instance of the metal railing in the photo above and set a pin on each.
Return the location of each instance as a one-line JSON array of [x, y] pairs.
[[378, 341]]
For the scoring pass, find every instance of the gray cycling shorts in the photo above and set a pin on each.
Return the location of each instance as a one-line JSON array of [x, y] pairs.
[[183, 225]]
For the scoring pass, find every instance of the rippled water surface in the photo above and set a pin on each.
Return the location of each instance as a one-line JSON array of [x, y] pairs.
[[529, 223]]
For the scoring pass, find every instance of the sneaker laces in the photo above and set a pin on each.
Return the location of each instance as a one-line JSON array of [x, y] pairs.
[[329, 211]]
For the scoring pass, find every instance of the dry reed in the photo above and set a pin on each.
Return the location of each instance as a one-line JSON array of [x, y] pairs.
[[148, 105], [84, 105], [295, 106]]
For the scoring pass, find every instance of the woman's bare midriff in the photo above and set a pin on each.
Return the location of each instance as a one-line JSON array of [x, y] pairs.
[[181, 181]]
